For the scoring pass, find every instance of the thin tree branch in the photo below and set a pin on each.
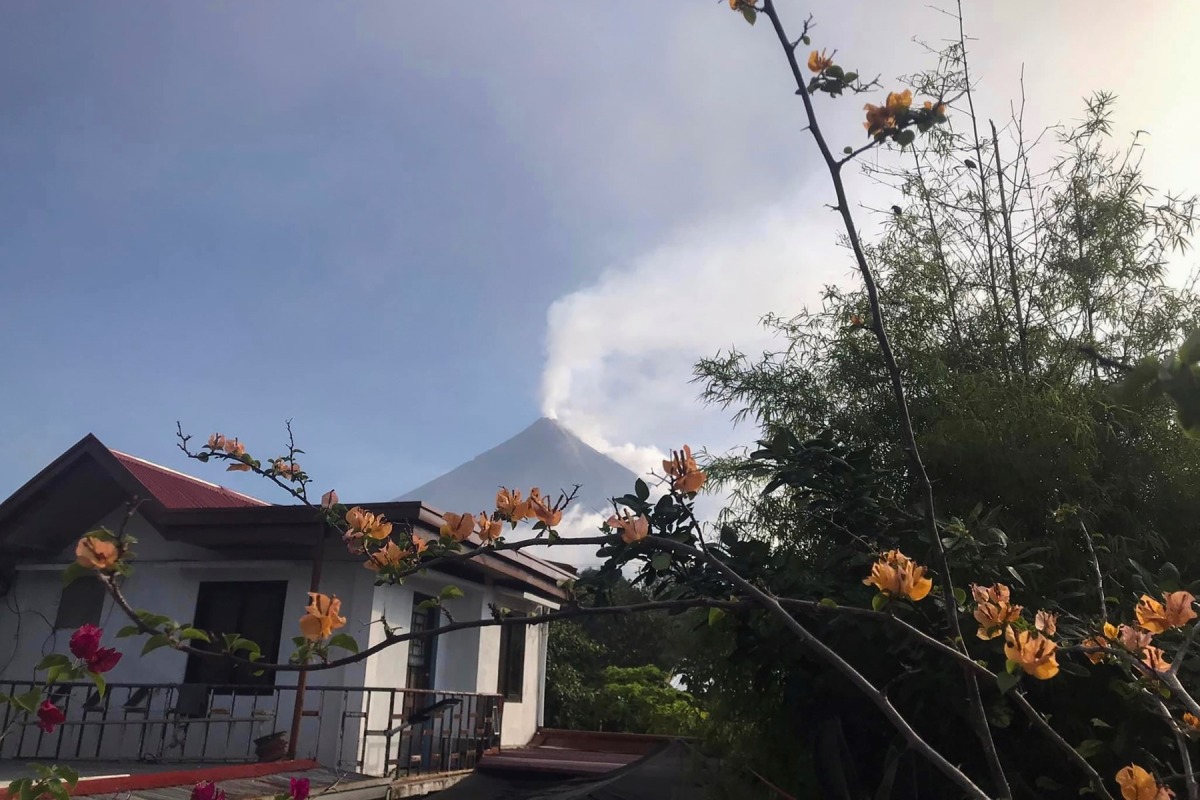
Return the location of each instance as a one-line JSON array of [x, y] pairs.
[[879, 328]]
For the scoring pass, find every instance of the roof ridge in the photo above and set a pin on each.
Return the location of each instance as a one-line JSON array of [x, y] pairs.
[[185, 476]]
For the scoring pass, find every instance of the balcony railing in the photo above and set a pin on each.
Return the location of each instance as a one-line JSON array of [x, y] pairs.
[[367, 730]]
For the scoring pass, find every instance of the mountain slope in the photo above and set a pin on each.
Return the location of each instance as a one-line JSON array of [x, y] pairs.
[[545, 455]]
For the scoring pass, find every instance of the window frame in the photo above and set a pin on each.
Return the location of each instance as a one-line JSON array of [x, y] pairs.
[[511, 635]]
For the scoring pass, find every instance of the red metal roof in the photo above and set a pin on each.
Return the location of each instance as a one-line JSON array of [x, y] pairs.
[[176, 491]]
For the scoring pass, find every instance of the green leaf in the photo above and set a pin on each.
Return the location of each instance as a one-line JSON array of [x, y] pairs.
[[53, 660], [28, 701], [68, 774], [835, 72], [661, 562], [850, 77], [344, 641], [847, 150], [1089, 748], [829, 602], [1099, 723], [249, 646], [98, 679], [194, 635], [432, 602], [299, 641], [1012, 667], [749, 14], [154, 642], [57, 790], [879, 602], [152, 620], [451, 592], [73, 573], [715, 615], [641, 490], [1006, 681], [960, 595], [127, 631]]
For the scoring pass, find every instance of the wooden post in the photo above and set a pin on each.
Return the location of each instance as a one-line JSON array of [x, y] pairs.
[[314, 584]]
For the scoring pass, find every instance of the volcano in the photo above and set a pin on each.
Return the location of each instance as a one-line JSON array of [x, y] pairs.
[[546, 455]]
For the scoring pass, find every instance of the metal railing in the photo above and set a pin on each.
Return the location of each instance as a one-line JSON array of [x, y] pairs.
[[368, 730]]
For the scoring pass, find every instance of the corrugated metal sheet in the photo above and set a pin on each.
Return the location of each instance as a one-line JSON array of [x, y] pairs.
[[178, 491]]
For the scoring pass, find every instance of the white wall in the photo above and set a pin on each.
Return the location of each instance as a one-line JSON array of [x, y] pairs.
[[166, 580]]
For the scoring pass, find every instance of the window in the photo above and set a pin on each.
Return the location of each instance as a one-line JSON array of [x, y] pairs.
[[252, 609], [512, 660], [422, 653], [81, 603]]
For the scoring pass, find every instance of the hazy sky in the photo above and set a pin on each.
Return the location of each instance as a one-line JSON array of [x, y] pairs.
[[414, 227]]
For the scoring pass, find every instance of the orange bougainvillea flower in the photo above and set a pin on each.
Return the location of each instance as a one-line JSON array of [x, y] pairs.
[[993, 610], [819, 62], [1155, 659], [897, 575], [374, 526], [216, 442], [390, 555], [236, 449], [546, 514], [1097, 642], [633, 529], [419, 545], [457, 526], [1110, 631], [1132, 639], [899, 102], [1046, 622], [323, 617], [93, 552], [1191, 720], [879, 119], [1138, 784], [288, 469], [1157, 617], [1034, 652], [939, 109], [508, 503], [490, 528], [685, 475]]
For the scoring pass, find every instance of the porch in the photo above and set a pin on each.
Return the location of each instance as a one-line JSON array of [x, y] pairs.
[[368, 731]]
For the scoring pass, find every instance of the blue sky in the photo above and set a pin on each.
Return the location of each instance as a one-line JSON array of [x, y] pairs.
[[412, 228]]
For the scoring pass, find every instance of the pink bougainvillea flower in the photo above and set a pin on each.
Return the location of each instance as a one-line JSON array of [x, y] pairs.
[[299, 788], [50, 716], [85, 641], [207, 790], [103, 660]]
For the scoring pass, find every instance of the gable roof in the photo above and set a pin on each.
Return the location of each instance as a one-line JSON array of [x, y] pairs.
[[175, 490], [90, 481]]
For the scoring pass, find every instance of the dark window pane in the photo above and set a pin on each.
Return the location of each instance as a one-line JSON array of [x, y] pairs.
[[512, 661], [80, 604], [252, 609], [422, 653]]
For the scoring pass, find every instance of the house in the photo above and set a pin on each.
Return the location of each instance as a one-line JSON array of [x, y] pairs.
[[228, 562]]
